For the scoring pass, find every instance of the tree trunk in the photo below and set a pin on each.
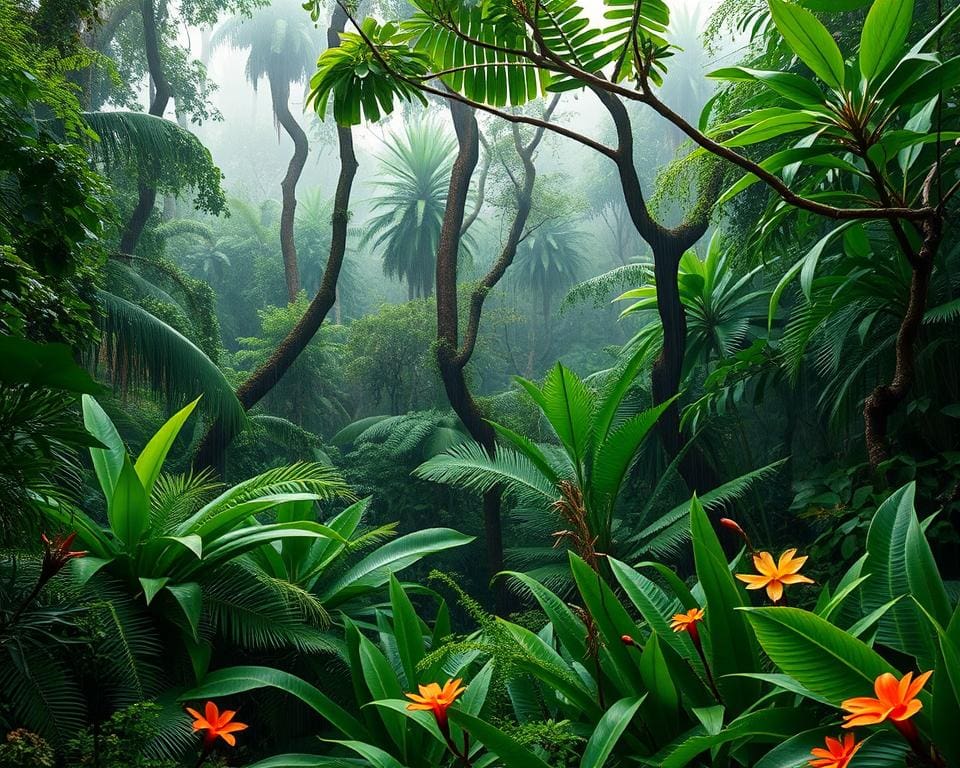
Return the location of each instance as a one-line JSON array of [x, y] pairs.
[[884, 400], [212, 447], [280, 95], [668, 245], [452, 356], [162, 93]]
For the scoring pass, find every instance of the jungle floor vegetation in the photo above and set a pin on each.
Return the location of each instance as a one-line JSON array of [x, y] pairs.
[[495, 384]]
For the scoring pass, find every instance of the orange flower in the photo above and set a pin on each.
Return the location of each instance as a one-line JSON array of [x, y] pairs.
[[838, 754], [216, 724], [896, 700], [436, 699], [773, 575], [687, 622]]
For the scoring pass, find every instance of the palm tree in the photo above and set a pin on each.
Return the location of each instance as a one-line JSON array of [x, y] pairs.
[[282, 48], [414, 170]]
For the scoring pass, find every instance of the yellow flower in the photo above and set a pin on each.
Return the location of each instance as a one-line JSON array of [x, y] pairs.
[[774, 575], [687, 622]]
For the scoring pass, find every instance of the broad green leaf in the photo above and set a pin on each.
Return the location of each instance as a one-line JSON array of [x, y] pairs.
[[817, 654], [372, 755], [374, 570], [883, 35], [152, 586], [728, 641], [406, 626], [108, 461], [613, 622], [150, 461], [233, 680], [788, 84], [128, 509], [190, 599], [810, 40], [608, 731], [662, 707], [766, 725], [383, 684], [773, 128], [567, 625], [900, 563]]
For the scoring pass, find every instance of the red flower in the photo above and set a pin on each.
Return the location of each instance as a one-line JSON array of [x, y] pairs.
[[56, 554]]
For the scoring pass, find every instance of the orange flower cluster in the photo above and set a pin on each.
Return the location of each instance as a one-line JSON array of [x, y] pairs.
[[896, 701], [687, 622]]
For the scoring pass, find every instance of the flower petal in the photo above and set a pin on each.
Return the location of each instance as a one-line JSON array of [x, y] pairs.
[[212, 713], [775, 590]]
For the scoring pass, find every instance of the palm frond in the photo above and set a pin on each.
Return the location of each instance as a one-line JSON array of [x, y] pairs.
[[469, 466], [142, 349]]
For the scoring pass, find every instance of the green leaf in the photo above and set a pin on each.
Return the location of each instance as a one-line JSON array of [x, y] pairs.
[[817, 654], [662, 708], [608, 732], [511, 753], [729, 642], [383, 684], [233, 680], [900, 564], [406, 627], [108, 461], [152, 586], [883, 35], [190, 599], [788, 84], [150, 461], [810, 40], [767, 725], [127, 507], [568, 627]]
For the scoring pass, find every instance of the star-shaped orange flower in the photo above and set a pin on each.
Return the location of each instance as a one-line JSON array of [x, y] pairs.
[[216, 723], [433, 698], [686, 622], [896, 700], [838, 754], [774, 575]]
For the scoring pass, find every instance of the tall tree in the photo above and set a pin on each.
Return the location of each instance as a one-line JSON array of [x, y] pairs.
[[263, 379], [455, 349], [504, 53], [282, 48]]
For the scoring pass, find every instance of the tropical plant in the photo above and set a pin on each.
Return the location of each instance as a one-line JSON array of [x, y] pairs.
[[414, 169], [162, 540], [724, 311], [877, 106], [684, 683], [282, 47], [578, 484]]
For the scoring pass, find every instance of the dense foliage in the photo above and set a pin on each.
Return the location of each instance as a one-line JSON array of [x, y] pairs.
[[538, 395]]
